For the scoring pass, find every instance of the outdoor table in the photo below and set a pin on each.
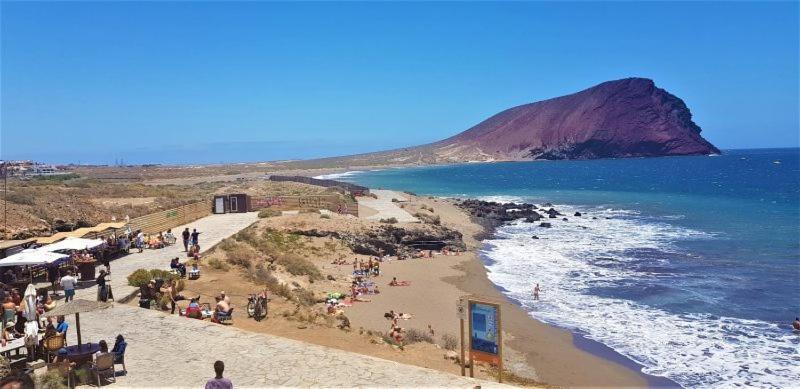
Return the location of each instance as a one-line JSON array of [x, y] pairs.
[[83, 353], [12, 345]]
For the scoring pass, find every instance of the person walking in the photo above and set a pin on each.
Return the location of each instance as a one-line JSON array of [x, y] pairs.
[[186, 235], [219, 382], [68, 284]]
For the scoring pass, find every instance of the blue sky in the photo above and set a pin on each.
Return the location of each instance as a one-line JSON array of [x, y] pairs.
[[208, 82]]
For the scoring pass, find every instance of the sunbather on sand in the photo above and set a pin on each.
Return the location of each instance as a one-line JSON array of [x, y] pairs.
[[395, 282]]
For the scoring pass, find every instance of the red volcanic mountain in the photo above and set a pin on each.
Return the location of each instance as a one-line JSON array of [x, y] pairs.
[[623, 118]]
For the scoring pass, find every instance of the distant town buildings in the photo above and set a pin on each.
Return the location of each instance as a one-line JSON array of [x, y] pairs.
[[26, 169]]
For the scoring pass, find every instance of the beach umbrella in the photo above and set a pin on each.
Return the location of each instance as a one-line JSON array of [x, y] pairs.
[[76, 307], [30, 303]]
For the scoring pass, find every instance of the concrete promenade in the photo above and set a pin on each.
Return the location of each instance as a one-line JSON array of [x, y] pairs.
[[384, 206], [213, 229], [172, 351]]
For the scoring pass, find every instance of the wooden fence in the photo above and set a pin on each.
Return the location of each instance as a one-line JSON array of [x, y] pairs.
[[171, 218], [332, 203]]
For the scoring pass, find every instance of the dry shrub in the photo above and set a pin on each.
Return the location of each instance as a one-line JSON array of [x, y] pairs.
[[269, 212], [414, 335], [391, 220], [242, 255], [428, 219], [217, 264], [297, 265], [20, 198], [449, 342], [305, 297]]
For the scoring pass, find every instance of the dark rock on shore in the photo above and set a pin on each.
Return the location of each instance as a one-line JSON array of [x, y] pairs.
[[578, 214], [391, 240], [545, 225], [491, 214]]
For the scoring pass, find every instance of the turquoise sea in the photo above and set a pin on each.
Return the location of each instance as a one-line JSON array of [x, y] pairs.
[[689, 266]]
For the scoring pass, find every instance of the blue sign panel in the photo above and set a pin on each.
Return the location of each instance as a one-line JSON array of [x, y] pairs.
[[484, 328]]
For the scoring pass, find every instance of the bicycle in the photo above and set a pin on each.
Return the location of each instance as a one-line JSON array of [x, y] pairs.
[[257, 306]]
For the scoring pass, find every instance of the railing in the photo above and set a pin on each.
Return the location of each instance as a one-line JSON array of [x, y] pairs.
[[332, 203], [170, 218]]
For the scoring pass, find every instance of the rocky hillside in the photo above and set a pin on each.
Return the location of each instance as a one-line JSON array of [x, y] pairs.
[[631, 117]]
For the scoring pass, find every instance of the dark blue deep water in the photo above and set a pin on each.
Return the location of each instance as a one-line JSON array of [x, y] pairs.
[[687, 265]]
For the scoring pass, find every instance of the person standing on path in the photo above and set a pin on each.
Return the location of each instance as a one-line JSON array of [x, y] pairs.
[[195, 237], [186, 235], [68, 284], [219, 382]]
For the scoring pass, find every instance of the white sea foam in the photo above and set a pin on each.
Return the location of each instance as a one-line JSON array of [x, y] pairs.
[[334, 176], [692, 349], [502, 199]]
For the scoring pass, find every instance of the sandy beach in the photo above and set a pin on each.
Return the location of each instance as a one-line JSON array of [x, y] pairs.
[[541, 354]]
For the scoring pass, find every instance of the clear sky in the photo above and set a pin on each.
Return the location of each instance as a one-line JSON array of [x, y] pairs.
[[209, 82]]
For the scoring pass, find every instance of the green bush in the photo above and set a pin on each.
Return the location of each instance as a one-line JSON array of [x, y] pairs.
[[56, 177], [141, 277], [324, 216], [269, 212]]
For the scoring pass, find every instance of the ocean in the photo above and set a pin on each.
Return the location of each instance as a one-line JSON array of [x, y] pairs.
[[689, 266]]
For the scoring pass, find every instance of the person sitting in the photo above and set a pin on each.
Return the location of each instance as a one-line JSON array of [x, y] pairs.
[[9, 311], [49, 331], [194, 272], [103, 350], [146, 294], [169, 237], [193, 311], [119, 349], [194, 252], [62, 326], [222, 309], [176, 265]]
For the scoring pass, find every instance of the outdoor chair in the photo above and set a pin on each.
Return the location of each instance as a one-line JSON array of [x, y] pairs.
[[64, 369], [120, 360], [52, 345], [103, 366], [222, 318]]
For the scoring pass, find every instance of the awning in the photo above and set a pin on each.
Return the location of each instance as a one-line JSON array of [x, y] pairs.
[[72, 243], [32, 257], [80, 232], [6, 244]]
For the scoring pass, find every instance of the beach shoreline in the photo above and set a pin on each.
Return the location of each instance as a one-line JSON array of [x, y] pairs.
[[535, 350]]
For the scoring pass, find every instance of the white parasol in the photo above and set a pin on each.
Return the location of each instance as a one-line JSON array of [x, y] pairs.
[[30, 303]]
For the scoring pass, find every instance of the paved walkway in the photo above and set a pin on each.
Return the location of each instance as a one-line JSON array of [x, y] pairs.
[[384, 206], [213, 229], [172, 351]]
